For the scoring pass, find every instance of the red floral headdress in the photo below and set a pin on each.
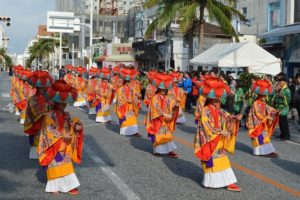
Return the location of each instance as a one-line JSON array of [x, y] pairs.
[[25, 74], [70, 68], [163, 81], [40, 78], [214, 88], [128, 74], [61, 92], [176, 76], [116, 70], [262, 87], [105, 73], [94, 71], [80, 70]]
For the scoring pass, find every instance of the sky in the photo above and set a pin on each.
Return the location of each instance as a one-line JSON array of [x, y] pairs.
[[25, 16]]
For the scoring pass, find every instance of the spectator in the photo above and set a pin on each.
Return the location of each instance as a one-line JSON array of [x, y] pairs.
[[62, 73], [297, 97], [187, 86], [282, 101], [291, 86]]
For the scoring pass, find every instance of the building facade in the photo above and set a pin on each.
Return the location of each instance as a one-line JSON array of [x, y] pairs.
[[268, 16]]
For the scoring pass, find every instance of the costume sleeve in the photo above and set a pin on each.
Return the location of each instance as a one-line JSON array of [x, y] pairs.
[[49, 142]]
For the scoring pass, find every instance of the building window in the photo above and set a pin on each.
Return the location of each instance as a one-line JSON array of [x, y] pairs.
[[274, 15], [244, 11]]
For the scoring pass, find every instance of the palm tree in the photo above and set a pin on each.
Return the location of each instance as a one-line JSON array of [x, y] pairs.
[[185, 12], [5, 58], [41, 50]]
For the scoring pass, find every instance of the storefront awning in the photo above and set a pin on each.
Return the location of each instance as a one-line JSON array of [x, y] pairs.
[[282, 31]]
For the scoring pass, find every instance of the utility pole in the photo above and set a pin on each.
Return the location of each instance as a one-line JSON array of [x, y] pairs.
[[91, 33], [72, 54]]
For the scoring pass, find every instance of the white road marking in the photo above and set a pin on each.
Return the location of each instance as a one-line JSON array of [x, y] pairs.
[[8, 107], [91, 125], [5, 95], [119, 183], [291, 142]]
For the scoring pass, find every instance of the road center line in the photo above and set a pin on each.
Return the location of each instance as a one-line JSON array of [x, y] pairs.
[[119, 183], [248, 171]]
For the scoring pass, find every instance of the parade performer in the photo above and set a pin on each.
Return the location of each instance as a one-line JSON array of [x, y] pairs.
[[262, 120], [80, 85], [15, 83], [116, 81], [201, 100], [161, 117], [103, 97], [125, 105], [61, 140], [25, 91], [150, 89], [216, 135], [37, 107], [179, 95], [91, 89], [70, 77], [137, 92]]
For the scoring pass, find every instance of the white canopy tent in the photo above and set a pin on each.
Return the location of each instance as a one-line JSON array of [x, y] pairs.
[[236, 55]]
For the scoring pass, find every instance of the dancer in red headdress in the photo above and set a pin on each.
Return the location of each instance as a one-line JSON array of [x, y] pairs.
[[161, 117], [179, 95], [80, 85], [37, 107], [61, 140], [216, 136], [25, 91], [262, 120], [104, 93], [125, 105], [91, 89]]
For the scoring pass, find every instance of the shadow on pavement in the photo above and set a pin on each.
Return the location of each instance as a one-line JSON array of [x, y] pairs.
[[113, 127], [8, 186], [185, 169], [14, 152], [186, 128], [293, 167], [141, 144], [91, 142], [243, 147], [41, 175]]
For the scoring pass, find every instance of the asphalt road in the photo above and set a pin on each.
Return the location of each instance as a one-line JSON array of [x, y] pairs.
[[118, 167]]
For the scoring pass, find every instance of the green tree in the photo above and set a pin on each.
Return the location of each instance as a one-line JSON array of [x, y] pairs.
[[41, 51], [5, 58], [185, 12]]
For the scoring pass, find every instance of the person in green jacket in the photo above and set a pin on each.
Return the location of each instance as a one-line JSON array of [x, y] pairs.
[[282, 101], [239, 98]]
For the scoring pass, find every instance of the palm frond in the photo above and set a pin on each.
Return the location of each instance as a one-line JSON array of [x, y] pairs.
[[169, 13], [218, 15], [151, 28], [152, 3], [188, 14]]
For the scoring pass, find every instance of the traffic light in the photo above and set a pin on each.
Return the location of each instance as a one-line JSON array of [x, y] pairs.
[[5, 19]]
